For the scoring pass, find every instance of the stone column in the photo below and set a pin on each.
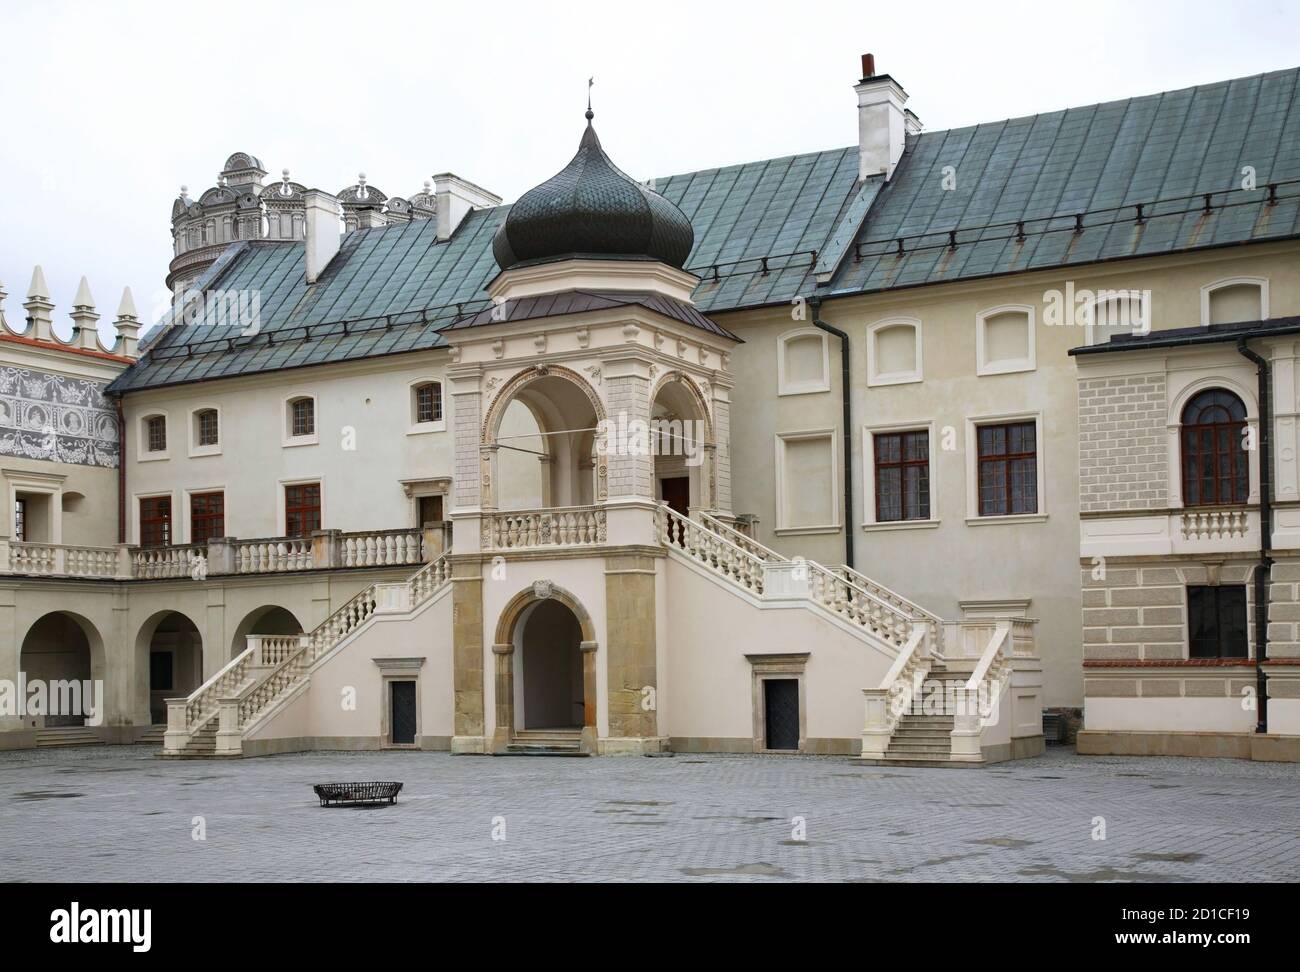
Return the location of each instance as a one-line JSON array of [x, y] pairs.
[[504, 657], [630, 471], [722, 447], [467, 655], [10, 654], [630, 662], [590, 731]]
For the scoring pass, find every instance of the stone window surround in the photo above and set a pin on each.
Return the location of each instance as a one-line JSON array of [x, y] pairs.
[[1010, 365], [288, 439], [397, 670], [1090, 310], [185, 533], [973, 423], [423, 428], [133, 513], [1210, 288], [195, 449], [46, 484], [869, 521], [417, 489], [784, 387], [783, 529], [1174, 425], [876, 378], [281, 511], [142, 453], [785, 666]]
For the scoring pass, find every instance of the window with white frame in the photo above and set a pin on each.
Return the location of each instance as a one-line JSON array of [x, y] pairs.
[[1115, 314], [1004, 471], [300, 420], [205, 431], [1004, 340], [152, 443], [427, 413], [807, 484], [803, 362], [894, 352], [1234, 300]]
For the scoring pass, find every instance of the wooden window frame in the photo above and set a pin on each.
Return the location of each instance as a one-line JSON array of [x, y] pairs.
[[1193, 458], [201, 418], [202, 536], [20, 520], [155, 444], [1005, 459], [881, 466], [292, 510], [146, 522]]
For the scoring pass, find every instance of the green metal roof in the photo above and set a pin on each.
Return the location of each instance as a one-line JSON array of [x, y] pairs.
[[765, 232]]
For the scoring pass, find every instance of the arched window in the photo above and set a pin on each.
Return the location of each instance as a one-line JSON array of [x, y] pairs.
[[427, 402], [1216, 470]]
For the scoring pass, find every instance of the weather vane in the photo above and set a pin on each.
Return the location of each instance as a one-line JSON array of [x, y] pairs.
[[590, 82]]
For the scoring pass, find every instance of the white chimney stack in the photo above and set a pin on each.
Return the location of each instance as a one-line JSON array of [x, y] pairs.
[[883, 121], [456, 197], [322, 231]]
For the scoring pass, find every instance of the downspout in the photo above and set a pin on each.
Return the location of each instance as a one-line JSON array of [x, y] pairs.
[[121, 472], [846, 392], [1263, 575]]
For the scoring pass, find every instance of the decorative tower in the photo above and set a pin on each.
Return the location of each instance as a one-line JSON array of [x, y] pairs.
[[594, 374]]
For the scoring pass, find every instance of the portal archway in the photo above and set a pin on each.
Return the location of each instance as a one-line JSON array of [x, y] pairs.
[[63, 652], [169, 663], [684, 451], [270, 619], [539, 440], [545, 653]]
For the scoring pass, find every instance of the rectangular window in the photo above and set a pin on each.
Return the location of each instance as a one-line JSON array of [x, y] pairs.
[[207, 516], [156, 434], [208, 429], [155, 521], [20, 520], [1216, 622], [902, 476], [428, 403], [301, 509], [304, 417], [1008, 469]]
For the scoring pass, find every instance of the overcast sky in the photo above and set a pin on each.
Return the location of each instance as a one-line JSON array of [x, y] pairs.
[[108, 107]]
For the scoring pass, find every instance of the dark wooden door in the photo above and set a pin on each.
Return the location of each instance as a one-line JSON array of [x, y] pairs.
[[677, 494], [781, 713], [402, 716]]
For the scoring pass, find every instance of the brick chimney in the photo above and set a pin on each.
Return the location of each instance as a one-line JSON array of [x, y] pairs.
[[883, 121]]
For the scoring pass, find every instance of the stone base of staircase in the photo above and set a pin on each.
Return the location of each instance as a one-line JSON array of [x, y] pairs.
[[153, 736], [67, 736], [544, 742], [202, 745]]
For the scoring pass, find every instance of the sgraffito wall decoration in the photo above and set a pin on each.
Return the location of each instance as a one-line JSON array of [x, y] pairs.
[[56, 418]]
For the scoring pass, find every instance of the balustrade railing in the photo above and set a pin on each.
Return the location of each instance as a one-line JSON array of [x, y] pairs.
[[560, 527], [706, 546], [324, 550], [1215, 524]]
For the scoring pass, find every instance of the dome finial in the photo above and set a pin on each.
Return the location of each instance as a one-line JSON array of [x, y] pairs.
[[590, 114]]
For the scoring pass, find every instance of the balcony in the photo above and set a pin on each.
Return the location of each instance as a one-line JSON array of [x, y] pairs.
[[570, 526], [1193, 530], [228, 556]]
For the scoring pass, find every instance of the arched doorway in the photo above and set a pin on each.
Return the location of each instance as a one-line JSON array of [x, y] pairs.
[[169, 651], [269, 619], [62, 660], [548, 683], [542, 434], [683, 445], [545, 683]]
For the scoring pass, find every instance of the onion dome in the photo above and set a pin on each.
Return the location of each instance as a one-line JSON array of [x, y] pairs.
[[591, 209]]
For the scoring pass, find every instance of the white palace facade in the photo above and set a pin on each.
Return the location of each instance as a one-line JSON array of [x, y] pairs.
[[886, 451]]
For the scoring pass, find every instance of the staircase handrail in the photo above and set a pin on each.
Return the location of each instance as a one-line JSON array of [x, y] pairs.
[[679, 532]]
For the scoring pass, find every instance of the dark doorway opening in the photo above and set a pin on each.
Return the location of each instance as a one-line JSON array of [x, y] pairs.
[[781, 713], [402, 714]]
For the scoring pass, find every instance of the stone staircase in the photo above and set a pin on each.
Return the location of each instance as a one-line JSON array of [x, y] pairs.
[[215, 718], [545, 742], [56, 736], [153, 736]]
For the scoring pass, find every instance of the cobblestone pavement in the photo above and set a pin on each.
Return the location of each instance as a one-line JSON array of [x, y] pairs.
[[118, 814]]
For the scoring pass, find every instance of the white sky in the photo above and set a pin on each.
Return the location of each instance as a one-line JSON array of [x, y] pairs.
[[108, 107]]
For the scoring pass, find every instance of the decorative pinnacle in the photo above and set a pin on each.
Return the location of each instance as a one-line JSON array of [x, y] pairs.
[[284, 183], [590, 114], [83, 298], [39, 289], [362, 192], [185, 193], [428, 186], [126, 309]]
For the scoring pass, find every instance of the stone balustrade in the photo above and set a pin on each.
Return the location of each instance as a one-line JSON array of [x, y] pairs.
[[323, 550], [1214, 524], [560, 527]]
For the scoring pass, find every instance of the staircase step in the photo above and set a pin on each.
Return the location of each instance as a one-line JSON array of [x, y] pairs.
[[67, 736]]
